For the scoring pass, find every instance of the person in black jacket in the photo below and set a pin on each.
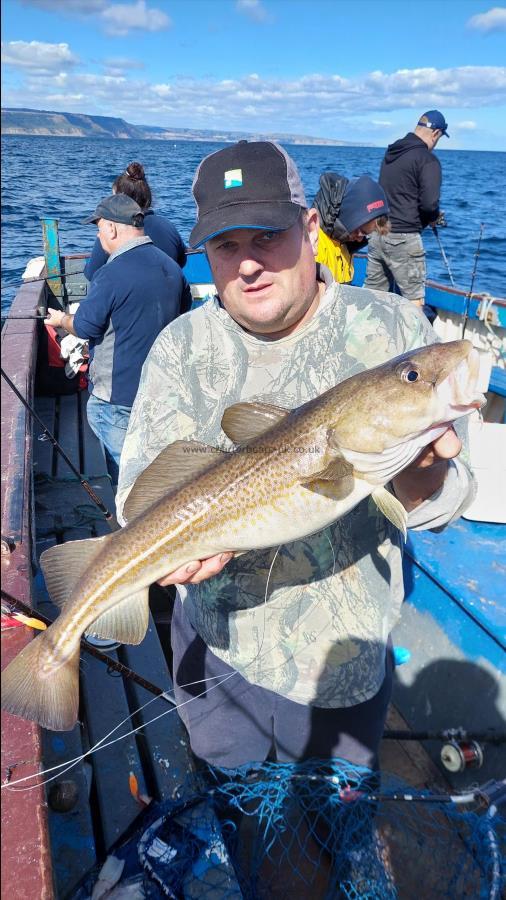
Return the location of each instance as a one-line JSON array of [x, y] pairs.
[[162, 232], [411, 178]]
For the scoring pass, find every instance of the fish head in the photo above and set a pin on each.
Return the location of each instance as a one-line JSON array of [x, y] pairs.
[[412, 398]]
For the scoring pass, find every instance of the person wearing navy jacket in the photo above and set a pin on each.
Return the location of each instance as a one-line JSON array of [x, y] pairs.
[[162, 232], [131, 299]]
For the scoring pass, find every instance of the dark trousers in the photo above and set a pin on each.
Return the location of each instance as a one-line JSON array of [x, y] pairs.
[[234, 722]]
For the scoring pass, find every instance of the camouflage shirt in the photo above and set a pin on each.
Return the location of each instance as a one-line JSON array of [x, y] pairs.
[[311, 620]]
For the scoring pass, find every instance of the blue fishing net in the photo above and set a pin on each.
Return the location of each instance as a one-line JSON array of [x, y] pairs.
[[313, 830]]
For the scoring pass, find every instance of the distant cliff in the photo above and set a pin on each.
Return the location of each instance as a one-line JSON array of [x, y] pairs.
[[61, 124]]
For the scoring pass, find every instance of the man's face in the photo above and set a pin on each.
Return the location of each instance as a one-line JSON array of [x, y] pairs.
[[104, 232], [266, 280], [363, 231]]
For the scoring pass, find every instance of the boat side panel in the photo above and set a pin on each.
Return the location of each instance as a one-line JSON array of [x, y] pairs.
[[26, 863]]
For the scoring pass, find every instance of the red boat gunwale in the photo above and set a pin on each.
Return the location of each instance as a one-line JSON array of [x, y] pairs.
[[26, 859]]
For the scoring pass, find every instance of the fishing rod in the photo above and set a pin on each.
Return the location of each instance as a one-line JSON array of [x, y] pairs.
[[6, 287], [473, 276], [109, 517], [111, 663], [443, 254], [486, 737], [7, 316]]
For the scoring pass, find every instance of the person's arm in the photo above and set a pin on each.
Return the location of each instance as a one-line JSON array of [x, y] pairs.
[[181, 255], [97, 259], [429, 189], [92, 317]]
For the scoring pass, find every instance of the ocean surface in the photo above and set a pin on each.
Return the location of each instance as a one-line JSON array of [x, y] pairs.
[[65, 177]]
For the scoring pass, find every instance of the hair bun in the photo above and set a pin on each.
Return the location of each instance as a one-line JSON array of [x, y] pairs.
[[135, 171]]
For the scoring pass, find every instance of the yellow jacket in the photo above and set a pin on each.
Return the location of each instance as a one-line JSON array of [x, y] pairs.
[[335, 256]]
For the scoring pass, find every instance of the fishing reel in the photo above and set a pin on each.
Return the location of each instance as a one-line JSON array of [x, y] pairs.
[[459, 753]]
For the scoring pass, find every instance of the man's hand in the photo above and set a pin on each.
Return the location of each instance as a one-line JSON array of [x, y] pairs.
[[59, 319], [197, 571], [440, 221], [427, 473], [54, 318]]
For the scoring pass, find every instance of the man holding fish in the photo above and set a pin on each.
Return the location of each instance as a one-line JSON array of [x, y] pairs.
[[293, 428], [285, 653]]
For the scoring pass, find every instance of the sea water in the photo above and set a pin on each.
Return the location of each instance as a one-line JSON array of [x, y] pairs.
[[64, 178]]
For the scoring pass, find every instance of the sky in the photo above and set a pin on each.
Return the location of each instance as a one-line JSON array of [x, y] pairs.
[[360, 72]]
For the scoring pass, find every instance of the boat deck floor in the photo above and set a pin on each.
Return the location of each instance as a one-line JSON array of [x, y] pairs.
[[96, 800]]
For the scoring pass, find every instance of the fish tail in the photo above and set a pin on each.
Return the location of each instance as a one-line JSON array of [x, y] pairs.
[[38, 686]]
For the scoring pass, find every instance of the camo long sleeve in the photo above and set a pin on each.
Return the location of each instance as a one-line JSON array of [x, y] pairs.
[[312, 623]]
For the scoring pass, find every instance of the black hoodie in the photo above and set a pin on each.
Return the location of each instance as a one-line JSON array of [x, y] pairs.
[[411, 178]]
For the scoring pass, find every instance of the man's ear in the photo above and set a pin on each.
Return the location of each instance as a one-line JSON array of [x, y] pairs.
[[313, 227]]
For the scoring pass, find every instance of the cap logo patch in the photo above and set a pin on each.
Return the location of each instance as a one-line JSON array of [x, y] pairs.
[[378, 204], [233, 178]]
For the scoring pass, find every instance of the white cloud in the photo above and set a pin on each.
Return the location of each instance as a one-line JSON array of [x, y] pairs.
[[85, 7], [493, 20], [121, 18], [117, 18], [467, 125], [254, 9], [329, 103], [120, 65], [37, 56]]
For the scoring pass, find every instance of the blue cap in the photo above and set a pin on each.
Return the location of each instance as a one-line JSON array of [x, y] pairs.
[[435, 120], [364, 200]]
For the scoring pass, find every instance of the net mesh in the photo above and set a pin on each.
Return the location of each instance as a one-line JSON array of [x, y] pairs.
[[317, 830]]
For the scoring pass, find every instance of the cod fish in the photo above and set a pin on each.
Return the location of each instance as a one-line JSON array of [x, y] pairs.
[[292, 474]]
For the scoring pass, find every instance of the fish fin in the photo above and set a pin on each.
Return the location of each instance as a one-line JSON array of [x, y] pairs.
[[35, 690], [333, 470], [243, 422], [127, 621], [391, 508], [64, 565], [177, 464]]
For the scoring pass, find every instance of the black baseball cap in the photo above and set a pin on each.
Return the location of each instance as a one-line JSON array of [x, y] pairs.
[[435, 120], [251, 184], [118, 208]]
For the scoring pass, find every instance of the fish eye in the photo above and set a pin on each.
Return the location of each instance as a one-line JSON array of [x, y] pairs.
[[410, 375]]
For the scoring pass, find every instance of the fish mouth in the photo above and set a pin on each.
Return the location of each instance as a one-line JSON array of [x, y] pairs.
[[461, 389]]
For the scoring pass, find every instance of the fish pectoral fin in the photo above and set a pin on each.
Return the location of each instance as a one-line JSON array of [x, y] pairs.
[[64, 565], [391, 508], [333, 469], [243, 422], [127, 621], [178, 464]]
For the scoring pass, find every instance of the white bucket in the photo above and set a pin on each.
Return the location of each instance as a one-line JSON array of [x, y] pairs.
[[487, 449]]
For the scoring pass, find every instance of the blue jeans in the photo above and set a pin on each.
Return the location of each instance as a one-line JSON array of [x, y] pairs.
[[109, 421]]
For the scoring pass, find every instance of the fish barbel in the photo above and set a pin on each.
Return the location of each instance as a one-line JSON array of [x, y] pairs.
[[293, 473]]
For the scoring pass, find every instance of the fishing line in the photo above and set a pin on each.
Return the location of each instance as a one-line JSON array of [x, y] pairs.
[[110, 519], [10, 785], [67, 765], [473, 276], [443, 254]]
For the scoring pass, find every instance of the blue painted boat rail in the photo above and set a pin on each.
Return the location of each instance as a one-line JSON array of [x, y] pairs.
[[197, 271]]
